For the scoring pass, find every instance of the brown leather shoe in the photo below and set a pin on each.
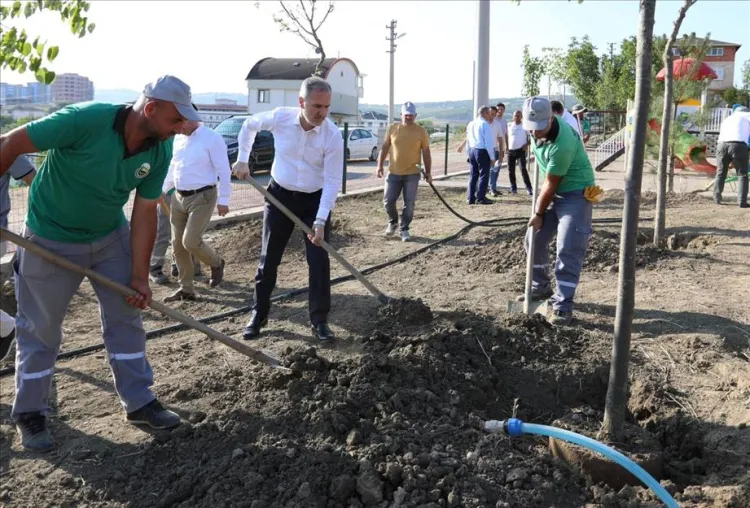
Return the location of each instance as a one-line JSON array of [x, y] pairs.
[[217, 275], [179, 296]]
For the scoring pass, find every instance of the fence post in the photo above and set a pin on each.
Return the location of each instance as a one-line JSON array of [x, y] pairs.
[[346, 145], [447, 138]]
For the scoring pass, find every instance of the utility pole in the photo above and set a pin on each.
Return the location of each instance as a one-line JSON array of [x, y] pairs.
[[482, 84], [611, 52], [392, 49]]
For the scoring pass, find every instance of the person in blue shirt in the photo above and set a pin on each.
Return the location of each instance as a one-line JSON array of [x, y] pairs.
[[480, 141]]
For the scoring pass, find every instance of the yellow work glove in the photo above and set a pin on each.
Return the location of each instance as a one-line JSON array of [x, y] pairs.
[[593, 193]]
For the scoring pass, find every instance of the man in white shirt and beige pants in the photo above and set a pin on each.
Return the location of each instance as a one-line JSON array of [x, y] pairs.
[[305, 177], [199, 159]]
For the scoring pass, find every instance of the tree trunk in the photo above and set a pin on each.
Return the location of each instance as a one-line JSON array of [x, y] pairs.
[[617, 390], [666, 151]]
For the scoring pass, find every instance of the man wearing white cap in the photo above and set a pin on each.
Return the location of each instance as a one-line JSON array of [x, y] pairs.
[[97, 153], [562, 208], [408, 144]]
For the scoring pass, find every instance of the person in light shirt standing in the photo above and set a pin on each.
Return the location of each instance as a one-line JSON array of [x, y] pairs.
[[560, 112], [480, 139], [198, 161], [734, 134], [500, 126], [518, 142], [305, 177], [408, 145]]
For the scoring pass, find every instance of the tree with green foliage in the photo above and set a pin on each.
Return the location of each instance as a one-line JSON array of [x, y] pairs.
[[20, 51], [746, 75], [583, 70], [533, 69], [734, 95], [555, 68]]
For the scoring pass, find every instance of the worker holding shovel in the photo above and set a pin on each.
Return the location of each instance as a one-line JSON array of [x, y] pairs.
[[563, 207], [97, 154]]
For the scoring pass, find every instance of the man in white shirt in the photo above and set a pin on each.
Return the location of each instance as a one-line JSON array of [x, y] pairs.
[[518, 142], [559, 111], [305, 177], [734, 135], [480, 141], [199, 159], [500, 126]]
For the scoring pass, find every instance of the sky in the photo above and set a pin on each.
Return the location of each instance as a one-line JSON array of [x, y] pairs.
[[212, 45]]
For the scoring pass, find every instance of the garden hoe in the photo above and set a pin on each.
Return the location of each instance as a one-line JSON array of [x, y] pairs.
[[527, 306], [158, 306], [382, 298]]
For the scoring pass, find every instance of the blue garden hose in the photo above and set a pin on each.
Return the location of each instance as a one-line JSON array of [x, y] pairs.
[[514, 427]]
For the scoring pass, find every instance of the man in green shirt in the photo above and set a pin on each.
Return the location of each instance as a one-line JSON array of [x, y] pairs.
[[561, 208], [97, 153]]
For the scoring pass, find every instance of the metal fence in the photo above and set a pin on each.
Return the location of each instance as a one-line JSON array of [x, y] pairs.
[[358, 173]]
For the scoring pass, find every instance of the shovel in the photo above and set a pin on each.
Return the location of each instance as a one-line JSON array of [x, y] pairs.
[[330, 250], [158, 306], [527, 306]]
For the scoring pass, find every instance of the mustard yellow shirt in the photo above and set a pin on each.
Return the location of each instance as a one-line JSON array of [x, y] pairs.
[[407, 143]]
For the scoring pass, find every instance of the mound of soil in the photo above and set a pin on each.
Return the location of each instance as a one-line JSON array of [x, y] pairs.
[[405, 312], [400, 425], [691, 241], [614, 197]]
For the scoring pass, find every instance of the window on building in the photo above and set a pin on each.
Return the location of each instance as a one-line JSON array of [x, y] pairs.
[[676, 51], [719, 73], [715, 52], [264, 96]]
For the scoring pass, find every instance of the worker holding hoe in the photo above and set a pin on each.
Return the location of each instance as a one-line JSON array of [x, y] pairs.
[[97, 153], [563, 207]]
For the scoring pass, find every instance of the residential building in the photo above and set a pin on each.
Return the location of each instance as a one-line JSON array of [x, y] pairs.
[[275, 82], [70, 88], [374, 120], [721, 58], [213, 114], [31, 93]]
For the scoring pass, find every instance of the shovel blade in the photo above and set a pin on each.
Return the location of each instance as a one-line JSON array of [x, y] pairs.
[[535, 307]]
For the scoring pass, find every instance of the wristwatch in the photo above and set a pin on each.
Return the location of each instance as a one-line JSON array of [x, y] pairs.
[[319, 222]]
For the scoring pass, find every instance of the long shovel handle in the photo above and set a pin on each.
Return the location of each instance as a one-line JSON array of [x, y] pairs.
[[126, 292], [531, 249], [330, 250]]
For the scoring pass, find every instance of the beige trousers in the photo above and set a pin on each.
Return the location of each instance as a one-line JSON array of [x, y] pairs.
[[189, 217]]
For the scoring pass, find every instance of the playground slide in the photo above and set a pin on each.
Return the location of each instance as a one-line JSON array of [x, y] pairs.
[[691, 152]]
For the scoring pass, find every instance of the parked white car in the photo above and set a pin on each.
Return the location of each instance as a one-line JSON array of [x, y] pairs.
[[362, 144]]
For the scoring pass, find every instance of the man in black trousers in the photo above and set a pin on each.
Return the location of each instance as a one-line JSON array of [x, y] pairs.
[[305, 177]]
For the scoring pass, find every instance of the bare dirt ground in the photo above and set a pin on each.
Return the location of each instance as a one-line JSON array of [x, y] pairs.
[[392, 415]]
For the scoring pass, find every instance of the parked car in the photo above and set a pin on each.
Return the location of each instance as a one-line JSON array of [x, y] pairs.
[[362, 144], [263, 149]]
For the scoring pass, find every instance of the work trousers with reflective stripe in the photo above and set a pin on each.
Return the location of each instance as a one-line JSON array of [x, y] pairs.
[[44, 291], [569, 216]]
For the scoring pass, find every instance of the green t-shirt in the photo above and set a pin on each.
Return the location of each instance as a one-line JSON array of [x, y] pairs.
[[565, 156], [87, 176]]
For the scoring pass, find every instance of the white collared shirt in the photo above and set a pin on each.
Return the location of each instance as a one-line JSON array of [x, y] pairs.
[[499, 130], [481, 135], [569, 119], [517, 136], [735, 127], [199, 160], [305, 161]]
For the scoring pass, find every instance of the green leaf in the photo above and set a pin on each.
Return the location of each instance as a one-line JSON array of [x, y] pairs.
[[40, 75], [52, 52], [50, 77], [91, 27], [15, 9], [26, 49], [39, 47], [21, 67], [35, 64], [29, 9]]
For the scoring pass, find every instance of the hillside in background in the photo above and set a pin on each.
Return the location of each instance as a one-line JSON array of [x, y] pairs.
[[119, 95], [457, 111]]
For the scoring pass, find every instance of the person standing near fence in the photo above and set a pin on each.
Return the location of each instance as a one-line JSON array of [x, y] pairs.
[[97, 154], [584, 125], [562, 207], [518, 142], [500, 126], [306, 177], [480, 140], [198, 162], [21, 169], [408, 144], [734, 135]]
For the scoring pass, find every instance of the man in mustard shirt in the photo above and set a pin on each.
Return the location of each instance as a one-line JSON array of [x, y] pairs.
[[408, 144]]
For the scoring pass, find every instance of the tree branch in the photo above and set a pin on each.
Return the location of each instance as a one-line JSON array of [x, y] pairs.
[[330, 10], [295, 19]]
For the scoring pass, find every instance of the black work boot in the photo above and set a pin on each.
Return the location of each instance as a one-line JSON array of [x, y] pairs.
[[34, 434], [742, 184], [155, 416], [252, 329]]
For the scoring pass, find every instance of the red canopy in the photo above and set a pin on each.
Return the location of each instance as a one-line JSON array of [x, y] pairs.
[[682, 66]]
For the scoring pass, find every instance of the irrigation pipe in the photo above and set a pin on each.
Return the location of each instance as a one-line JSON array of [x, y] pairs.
[[153, 334], [514, 427]]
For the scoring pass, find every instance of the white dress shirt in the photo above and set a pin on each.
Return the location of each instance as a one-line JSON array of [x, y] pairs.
[[481, 135], [735, 127], [305, 161], [573, 122], [517, 136], [498, 131], [199, 160]]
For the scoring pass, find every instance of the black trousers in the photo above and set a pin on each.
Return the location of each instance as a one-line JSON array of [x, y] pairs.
[[277, 228], [520, 156]]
